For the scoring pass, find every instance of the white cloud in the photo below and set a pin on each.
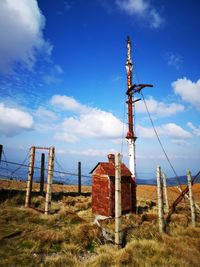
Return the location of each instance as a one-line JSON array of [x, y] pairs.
[[144, 132], [69, 104], [171, 130], [142, 9], [133, 6], [174, 60], [160, 109], [174, 131], [21, 25], [90, 122], [45, 114], [63, 135], [189, 91], [155, 18], [196, 130], [98, 124], [92, 152], [14, 121]]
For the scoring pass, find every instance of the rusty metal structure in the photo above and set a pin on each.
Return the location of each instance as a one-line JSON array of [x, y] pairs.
[[131, 90]]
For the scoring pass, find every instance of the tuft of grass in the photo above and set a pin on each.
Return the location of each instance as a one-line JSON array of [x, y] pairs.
[[180, 219], [149, 217], [57, 260], [86, 236], [146, 231], [72, 248], [47, 235]]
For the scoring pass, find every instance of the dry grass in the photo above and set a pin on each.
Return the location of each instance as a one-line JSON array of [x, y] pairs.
[[148, 192], [68, 237], [21, 185], [168, 251]]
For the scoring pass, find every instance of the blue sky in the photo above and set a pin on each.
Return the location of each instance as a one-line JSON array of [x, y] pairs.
[[63, 80]]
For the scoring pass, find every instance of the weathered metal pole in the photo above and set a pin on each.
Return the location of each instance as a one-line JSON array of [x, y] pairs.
[[192, 205], [165, 192], [118, 207], [49, 180], [42, 173], [160, 200], [79, 178], [130, 135], [30, 177]]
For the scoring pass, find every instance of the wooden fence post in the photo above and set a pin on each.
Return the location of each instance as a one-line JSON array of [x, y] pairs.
[[192, 205], [165, 192], [160, 200], [49, 180], [1, 151], [118, 207], [42, 174], [30, 177], [79, 178]]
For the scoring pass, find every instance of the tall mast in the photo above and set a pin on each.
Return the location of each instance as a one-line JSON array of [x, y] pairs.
[[132, 89], [130, 134]]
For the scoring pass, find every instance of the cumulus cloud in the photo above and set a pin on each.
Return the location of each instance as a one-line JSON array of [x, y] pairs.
[[189, 91], [68, 103], [142, 9], [175, 131], [171, 130], [195, 130], [87, 122], [14, 121], [21, 25], [159, 109]]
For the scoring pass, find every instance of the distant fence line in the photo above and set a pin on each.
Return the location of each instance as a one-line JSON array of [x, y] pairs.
[[21, 172]]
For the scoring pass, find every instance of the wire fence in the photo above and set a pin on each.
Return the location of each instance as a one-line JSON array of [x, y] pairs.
[[14, 176]]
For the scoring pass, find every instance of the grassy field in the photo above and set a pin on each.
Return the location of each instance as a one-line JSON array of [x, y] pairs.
[[21, 185], [68, 236]]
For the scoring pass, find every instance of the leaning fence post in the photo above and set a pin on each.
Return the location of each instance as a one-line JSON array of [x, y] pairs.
[[165, 191], [118, 207], [160, 200], [192, 205], [30, 177], [49, 180], [79, 178]]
